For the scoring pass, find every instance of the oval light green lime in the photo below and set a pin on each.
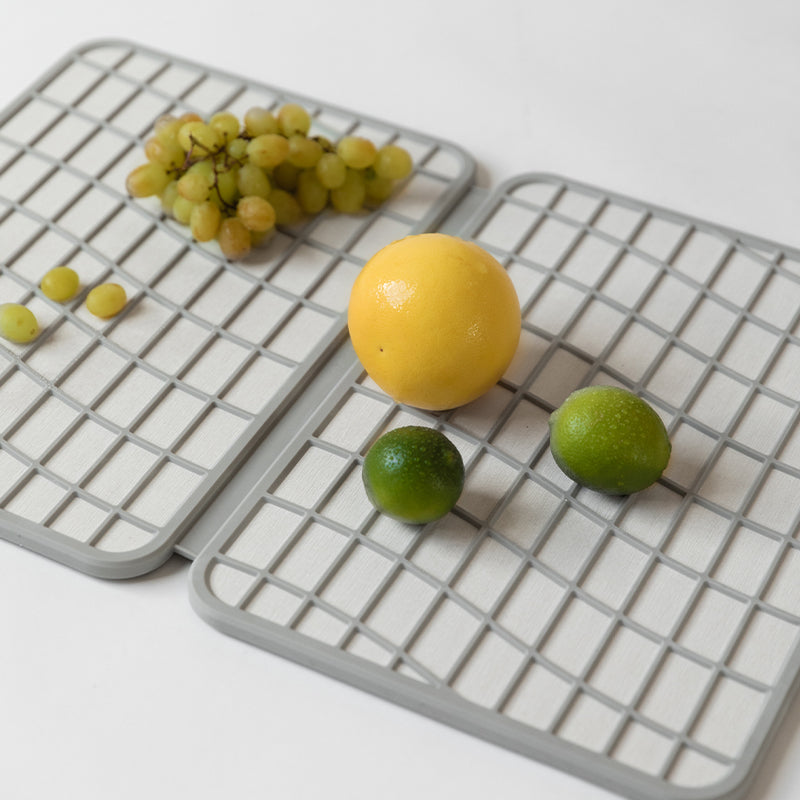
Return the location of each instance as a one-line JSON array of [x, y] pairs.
[[414, 474], [609, 439]]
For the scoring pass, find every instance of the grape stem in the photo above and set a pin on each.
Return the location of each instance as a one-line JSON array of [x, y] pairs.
[[211, 154]]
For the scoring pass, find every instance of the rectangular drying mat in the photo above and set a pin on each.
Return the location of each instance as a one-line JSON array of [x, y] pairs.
[[115, 434], [646, 643]]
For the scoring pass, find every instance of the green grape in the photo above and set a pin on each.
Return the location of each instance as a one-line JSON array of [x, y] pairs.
[[258, 121], [392, 162], [166, 129], [268, 150], [311, 194], [168, 195], [350, 196], [252, 180], [356, 151], [259, 237], [169, 155], [163, 123], [237, 149], [204, 221], [106, 300], [186, 133], [60, 284], [182, 210], [194, 187], [17, 323], [204, 168], [303, 152], [226, 189], [256, 213], [226, 124], [237, 181], [287, 209], [378, 188], [293, 118], [331, 170], [285, 176], [196, 135], [233, 238], [147, 180]]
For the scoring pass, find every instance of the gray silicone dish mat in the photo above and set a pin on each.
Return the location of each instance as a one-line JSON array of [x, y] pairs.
[[647, 643], [115, 434]]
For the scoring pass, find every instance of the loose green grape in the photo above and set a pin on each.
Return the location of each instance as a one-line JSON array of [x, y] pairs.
[[287, 209], [356, 151], [256, 213], [226, 124], [147, 180], [285, 176], [233, 238], [60, 284], [258, 121], [17, 323], [182, 210], [378, 188], [204, 221], [194, 187], [252, 180], [268, 150], [311, 194], [293, 118], [350, 196], [303, 152], [190, 116], [393, 162], [331, 170], [106, 300], [237, 149], [169, 155]]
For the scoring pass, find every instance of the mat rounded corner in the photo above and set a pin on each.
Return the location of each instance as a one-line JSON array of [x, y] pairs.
[[105, 564]]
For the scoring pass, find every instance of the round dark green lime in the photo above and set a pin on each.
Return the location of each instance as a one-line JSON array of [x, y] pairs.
[[414, 474]]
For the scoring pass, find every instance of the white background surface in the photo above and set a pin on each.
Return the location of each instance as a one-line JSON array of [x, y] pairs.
[[119, 690]]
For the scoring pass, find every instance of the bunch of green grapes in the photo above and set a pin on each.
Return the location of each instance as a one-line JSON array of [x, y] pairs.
[[234, 181]]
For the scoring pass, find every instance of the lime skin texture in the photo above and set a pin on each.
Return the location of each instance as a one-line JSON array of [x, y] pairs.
[[413, 474], [608, 439]]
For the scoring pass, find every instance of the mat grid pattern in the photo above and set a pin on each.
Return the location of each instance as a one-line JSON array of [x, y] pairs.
[[114, 432], [658, 631]]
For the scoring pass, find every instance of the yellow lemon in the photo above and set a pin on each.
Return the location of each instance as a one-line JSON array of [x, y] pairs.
[[434, 320]]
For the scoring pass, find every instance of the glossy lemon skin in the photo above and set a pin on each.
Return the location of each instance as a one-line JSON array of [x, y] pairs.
[[435, 320]]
